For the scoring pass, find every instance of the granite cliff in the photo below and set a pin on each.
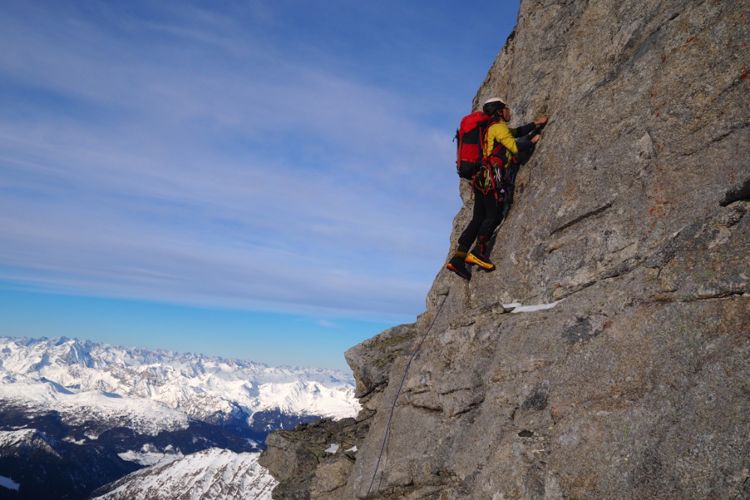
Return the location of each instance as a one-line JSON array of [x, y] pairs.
[[632, 220]]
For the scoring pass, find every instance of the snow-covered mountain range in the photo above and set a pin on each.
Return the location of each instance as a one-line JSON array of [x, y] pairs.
[[160, 390], [211, 474], [85, 414]]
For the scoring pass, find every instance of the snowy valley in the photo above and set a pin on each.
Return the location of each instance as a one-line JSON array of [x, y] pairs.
[[77, 415]]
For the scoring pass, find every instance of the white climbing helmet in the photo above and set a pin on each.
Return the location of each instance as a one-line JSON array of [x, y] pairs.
[[494, 99]]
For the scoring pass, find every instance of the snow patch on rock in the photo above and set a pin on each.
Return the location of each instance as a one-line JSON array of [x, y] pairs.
[[333, 448]]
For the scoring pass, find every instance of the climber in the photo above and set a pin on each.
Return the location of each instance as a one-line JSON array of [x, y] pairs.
[[501, 148]]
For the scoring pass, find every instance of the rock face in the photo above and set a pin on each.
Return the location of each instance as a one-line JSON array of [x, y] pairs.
[[632, 218], [314, 460]]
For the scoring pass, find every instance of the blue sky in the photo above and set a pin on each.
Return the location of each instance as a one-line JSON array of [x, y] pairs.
[[264, 180]]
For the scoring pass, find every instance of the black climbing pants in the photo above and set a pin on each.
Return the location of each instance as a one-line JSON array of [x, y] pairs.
[[485, 218], [509, 186]]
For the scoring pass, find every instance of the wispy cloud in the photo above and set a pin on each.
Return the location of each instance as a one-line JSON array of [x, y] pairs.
[[180, 157]]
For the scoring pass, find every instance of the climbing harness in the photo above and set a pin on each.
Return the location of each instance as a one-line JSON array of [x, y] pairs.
[[398, 393]]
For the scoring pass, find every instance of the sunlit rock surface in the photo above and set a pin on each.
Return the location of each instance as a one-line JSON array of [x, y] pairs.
[[632, 219]]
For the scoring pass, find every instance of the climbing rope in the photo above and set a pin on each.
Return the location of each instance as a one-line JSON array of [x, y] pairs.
[[401, 385]]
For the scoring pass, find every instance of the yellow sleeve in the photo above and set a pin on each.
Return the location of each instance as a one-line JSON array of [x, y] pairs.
[[499, 132]]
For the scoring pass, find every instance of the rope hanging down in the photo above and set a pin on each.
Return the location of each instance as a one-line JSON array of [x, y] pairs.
[[401, 385]]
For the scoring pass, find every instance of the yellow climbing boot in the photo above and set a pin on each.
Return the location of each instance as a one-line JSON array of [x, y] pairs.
[[456, 265], [482, 261]]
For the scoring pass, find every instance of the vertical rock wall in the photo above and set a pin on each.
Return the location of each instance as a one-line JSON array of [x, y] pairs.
[[633, 217]]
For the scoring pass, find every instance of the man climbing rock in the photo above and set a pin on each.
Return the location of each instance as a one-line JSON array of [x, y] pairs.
[[501, 148]]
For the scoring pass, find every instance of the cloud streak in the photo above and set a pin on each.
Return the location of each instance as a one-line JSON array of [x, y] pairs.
[[202, 165]]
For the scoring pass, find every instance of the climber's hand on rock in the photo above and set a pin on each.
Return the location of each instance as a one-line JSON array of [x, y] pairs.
[[535, 138], [542, 120]]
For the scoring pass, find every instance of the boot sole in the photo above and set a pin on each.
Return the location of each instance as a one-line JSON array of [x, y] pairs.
[[464, 275]]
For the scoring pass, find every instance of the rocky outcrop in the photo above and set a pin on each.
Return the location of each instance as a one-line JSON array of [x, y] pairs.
[[314, 460], [631, 224]]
